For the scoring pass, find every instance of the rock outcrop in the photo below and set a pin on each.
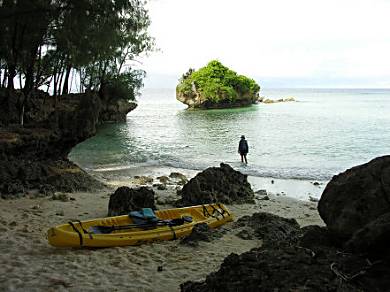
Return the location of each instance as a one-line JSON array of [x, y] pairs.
[[216, 86], [305, 259], [293, 268], [350, 254], [272, 229], [35, 156], [356, 197], [116, 110], [198, 100], [217, 184], [267, 100], [125, 199]]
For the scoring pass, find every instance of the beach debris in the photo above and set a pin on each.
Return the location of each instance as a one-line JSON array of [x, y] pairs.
[[178, 178], [312, 199], [142, 180], [163, 179], [261, 192], [159, 268], [272, 181], [60, 197], [126, 199], [265, 198], [60, 213], [60, 282], [316, 183], [13, 224], [217, 184]]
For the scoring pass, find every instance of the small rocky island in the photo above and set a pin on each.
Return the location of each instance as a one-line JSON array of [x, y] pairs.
[[216, 86]]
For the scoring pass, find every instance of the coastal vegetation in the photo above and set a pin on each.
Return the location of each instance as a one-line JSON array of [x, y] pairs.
[[215, 85], [81, 45], [65, 66]]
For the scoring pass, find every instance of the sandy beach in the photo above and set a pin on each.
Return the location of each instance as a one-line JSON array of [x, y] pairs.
[[29, 263]]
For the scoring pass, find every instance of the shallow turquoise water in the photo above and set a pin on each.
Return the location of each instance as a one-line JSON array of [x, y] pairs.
[[325, 132]]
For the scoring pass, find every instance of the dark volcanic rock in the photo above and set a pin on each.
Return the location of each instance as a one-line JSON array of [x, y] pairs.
[[115, 110], [202, 232], [272, 229], [293, 268], [373, 238], [356, 197], [355, 206], [314, 237], [217, 184], [125, 199], [279, 268], [35, 156]]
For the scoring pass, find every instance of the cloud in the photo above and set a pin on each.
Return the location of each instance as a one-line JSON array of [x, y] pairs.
[[273, 39]]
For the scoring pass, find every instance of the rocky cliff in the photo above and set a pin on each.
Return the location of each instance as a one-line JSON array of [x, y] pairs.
[[197, 99], [34, 157]]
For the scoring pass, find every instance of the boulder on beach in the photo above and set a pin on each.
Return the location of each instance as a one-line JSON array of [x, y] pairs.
[[201, 232], [356, 197], [125, 199], [311, 264], [272, 229], [217, 184]]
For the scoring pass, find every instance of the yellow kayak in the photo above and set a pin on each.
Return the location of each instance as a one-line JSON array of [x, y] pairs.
[[138, 228]]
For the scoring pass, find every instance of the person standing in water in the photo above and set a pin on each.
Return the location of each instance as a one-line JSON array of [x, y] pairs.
[[243, 149]]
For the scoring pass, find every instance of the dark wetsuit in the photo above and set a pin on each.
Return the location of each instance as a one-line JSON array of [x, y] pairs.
[[243, 149]]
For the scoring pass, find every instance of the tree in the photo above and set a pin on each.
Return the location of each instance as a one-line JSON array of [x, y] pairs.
[[218, 83], [44, 41]]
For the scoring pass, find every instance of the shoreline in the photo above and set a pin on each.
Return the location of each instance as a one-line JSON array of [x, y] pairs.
[[25, 222], [300, 189]]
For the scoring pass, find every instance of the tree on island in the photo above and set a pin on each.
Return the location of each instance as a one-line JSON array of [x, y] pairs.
[[47, 44], [216, 86]]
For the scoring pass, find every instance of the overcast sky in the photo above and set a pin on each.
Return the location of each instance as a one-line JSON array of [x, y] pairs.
[[328, 43]]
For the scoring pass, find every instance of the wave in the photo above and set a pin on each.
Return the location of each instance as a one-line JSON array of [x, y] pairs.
[[250, 170]]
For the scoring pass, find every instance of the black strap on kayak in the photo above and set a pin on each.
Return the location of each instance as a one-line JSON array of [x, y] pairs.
[[215, 210], [206, 212], [223, 209], [85, 231], [78, 232], [173, 231]]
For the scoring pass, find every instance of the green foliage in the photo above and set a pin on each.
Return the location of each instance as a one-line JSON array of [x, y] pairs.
[[218, 83], [42, 41], [125, 85]]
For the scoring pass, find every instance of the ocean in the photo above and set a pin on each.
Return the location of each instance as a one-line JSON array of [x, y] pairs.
[[322, 134]]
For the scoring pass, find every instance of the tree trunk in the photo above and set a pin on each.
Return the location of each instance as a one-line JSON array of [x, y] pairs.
[[65, 89], [11, 76]]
